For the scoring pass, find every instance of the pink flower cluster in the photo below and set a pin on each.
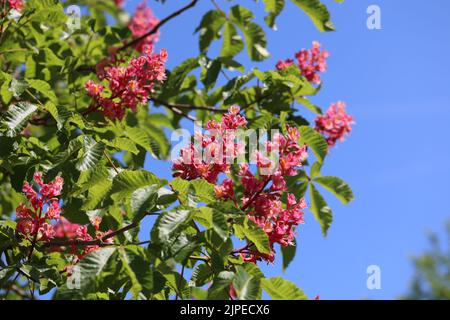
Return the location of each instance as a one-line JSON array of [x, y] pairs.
[[219, 148], [142, 22], [128, 86], [43, 221], [16, 4], [310, 62], [262, 197], [335, 124], [262, 194]]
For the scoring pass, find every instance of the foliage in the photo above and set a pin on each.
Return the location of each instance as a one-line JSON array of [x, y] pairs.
[[85, 106], [431, 279]]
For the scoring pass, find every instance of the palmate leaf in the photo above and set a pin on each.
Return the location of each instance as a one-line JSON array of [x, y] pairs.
[[254, 234], [273, 8], [254, 35], [92, 152], [170, 222], [82, 280], [220, 287], [143, 200], [209, 28], [288, 254], [280, 289], [17, 117], [318, 13], [337, 186], [43, 88], [315, 141], [232, 42], [320, 209], [127, 182], [247, 286], [213, 219]]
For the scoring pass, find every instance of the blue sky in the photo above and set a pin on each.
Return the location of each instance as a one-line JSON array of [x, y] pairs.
[[395, 84]]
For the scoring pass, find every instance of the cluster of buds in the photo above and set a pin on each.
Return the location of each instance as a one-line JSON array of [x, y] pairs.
[[263, 193], [42, 221], [309, 61]]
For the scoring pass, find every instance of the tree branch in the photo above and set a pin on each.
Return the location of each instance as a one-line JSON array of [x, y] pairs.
[[98, 242], [159, 25]]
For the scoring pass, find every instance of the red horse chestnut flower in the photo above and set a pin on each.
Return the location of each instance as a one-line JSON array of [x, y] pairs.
[[309, 61], [142, 22], [262, 194], [129, 85], [43, 222]]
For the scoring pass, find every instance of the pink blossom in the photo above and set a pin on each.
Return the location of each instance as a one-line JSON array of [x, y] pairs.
[[309, 61], [128, 85], [44, 221], [262, 194], [16, 4], [335, 124]]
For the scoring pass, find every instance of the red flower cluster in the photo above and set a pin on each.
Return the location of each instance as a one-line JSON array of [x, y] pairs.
[[142, 22], [16, 4], [219, 148], [43, 222], [262, 195], [265, 206], [335, 124], [128, 86], [310, 62]]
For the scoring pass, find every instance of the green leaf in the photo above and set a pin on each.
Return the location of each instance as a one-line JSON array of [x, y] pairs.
[[309, 105], [273, 8], [212, 218], [82, 280], [210, 73], [337, 186], [126, 182], [315, 169], [168, 223], [280, 289], [209, 28], [256, 235], [247, 286], [315, 141], [143, 200], [254, 35], [232, 41], [44, 88], [139, 136], [288, 254], [17, 117], [219, 290], [203, 190], [122, 144], [92, 152], [318, 13], [322, 212]]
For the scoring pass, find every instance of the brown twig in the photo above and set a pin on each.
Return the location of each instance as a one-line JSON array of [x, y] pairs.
[[187, 106]]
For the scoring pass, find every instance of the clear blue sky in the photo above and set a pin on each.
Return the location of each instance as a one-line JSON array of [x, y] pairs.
[[395, 83]]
